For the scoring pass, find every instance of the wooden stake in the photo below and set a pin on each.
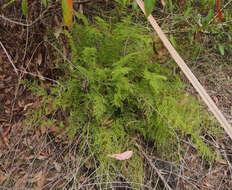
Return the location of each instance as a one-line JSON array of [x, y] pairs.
[[188, 73]]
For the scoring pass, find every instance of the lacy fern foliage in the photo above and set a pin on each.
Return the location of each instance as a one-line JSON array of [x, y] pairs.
[[117, 91]]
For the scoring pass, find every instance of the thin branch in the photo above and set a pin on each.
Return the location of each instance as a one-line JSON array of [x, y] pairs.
[[86, 1], [15, 96], [220, 10], [26, 24], [66, 59], [39, 76], [157, 170], [9, 57], [16, 69], [227, 159]]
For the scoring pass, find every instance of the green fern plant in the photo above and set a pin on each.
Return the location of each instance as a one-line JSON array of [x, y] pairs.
[[118, 90]]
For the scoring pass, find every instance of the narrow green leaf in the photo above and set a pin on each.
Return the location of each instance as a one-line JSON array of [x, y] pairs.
[[171, 7], [134, 5], [149, 5], [44, 3], [188, 12], [173, 41], [24, 7], [67, 9], [8, 3], [221, 49], [209, 16], [191, 38], [197, 51]]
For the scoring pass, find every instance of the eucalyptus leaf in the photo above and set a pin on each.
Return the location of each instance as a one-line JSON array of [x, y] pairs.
[[67, 9], [44, 3], [8, 3], [24, 7], [209, 16], [149, 5], [221, 49], [173, 41], [134, 5]]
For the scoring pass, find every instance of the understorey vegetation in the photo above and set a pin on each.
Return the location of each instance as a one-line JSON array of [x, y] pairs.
[[91, 99], [115, 94]]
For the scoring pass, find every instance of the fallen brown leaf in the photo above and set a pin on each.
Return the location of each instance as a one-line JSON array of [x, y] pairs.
[[123, 156], [2, 178], [6, 141], [108, 123], [39, 59], [6, 131], [57, 166], [7, 102], [20, 181], [41, 180], [163, 2], [28, 105], [43, 129]]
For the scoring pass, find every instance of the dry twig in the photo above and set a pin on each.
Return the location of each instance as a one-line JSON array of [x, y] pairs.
[[157, 170], [9, 57]]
